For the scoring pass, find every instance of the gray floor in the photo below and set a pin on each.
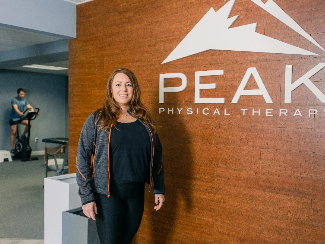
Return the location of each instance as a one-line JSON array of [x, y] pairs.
[[21, 241], [22, 201]]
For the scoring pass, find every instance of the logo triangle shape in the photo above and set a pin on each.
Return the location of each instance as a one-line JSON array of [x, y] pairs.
[[213, 32]]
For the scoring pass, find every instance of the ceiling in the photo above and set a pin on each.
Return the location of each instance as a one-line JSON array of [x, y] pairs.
[[15, 40], [12, 38]]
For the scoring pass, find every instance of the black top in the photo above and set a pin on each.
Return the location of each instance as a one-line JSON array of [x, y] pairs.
[[130, 153]]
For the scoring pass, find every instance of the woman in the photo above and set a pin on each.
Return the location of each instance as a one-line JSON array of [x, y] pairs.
[[118, 153]]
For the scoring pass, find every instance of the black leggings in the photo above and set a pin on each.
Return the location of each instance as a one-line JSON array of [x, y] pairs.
[[119, 216]]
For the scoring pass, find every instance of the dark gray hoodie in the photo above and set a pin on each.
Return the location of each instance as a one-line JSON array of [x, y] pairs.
[[92, 165]]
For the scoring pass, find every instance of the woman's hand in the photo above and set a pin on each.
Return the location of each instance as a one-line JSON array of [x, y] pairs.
[[89, 210], [159, 201]]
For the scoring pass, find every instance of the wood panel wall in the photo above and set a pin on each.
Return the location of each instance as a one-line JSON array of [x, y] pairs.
[[230, 178]]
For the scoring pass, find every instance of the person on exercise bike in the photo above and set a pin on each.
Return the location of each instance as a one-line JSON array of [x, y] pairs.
[[18, 105]]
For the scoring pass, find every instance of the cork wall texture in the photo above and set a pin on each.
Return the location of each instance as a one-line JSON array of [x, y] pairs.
[[245, 171]]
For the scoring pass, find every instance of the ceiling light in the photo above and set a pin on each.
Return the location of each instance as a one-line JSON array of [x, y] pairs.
[[77, 1], [37, 66]]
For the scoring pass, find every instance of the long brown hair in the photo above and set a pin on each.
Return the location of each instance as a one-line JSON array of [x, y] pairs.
[[108, 114]]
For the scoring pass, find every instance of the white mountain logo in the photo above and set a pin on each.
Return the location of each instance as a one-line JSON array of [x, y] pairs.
[[213, 32]]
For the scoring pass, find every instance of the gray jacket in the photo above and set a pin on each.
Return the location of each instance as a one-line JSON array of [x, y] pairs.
[[92, 165]]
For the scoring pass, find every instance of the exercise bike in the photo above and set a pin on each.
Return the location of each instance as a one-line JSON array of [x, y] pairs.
[[22, 148]]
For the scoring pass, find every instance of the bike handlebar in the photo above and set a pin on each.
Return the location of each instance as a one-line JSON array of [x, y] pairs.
[[30, 115]]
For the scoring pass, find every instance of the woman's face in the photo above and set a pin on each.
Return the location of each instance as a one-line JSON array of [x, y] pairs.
[[122, 89]]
